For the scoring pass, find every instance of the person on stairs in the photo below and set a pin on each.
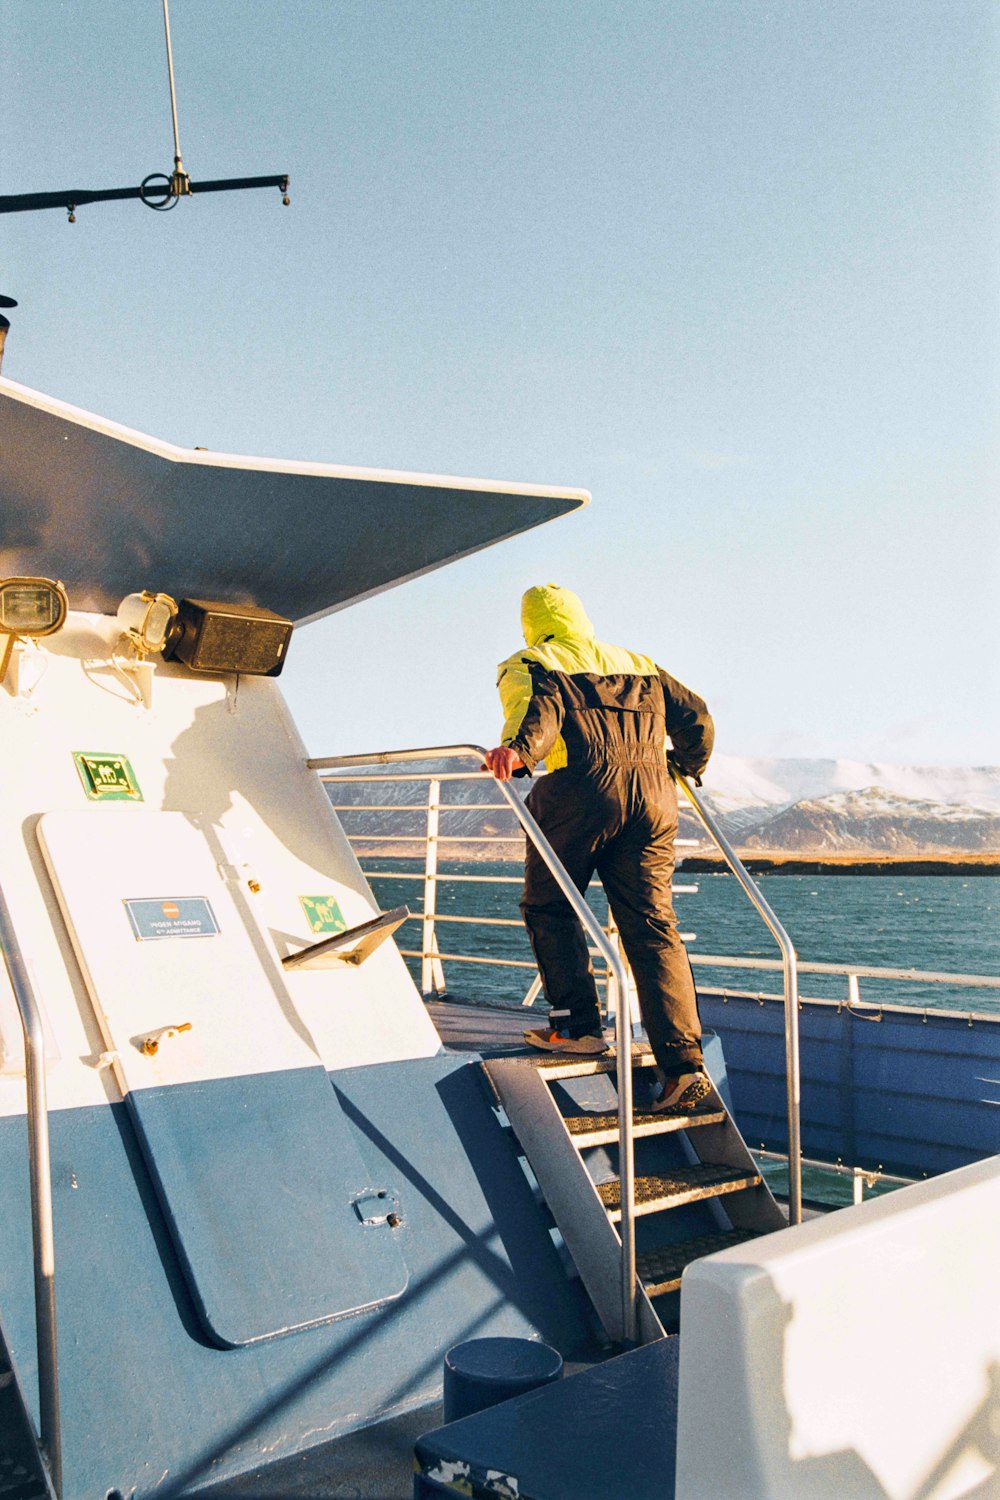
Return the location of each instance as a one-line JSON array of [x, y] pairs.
[[600, 717]]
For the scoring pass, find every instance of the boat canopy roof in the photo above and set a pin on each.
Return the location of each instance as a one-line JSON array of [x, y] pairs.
[[109, 511]]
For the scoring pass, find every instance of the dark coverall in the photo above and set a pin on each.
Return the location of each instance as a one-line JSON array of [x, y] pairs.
[[600, 715]]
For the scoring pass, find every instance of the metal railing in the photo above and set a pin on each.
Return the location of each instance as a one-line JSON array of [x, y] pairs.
[[40, 1172], [431, 959], [617, 978], [430, 841], [859, 1177], [853, 973]]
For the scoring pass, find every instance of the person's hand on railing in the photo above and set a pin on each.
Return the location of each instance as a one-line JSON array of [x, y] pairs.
[[677, 771], [503, 762]]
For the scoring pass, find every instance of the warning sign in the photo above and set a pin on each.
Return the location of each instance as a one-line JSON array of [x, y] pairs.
[[171, 917]]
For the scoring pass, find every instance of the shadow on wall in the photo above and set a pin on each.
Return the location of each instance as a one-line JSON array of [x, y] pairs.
[[844, 1473], [238, 748]]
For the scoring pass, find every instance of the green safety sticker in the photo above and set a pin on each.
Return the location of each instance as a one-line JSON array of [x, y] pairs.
[[323, 913], [107, 778]]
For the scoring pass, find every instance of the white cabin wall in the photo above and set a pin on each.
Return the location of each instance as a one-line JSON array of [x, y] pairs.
[[229, 756], [854, 1357]]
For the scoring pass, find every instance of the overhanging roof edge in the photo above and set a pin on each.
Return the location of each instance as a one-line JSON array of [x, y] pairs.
[[208, 459]]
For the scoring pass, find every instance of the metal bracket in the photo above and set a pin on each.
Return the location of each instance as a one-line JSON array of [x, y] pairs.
[[350, 947]]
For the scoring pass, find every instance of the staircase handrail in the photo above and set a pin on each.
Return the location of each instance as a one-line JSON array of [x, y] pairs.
[[40, 1174], [790, 981], [616, 967]]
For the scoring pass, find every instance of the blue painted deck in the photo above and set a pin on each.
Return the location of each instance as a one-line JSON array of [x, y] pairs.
[[605, 1434]]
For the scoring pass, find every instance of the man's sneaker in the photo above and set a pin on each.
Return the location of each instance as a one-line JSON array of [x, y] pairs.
[[561, 1041], [682, 1095]]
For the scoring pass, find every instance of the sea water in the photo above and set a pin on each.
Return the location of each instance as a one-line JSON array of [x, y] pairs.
[[938, 923]]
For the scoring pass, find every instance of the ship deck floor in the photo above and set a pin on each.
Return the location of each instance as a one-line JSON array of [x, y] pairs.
[[491, 1030]]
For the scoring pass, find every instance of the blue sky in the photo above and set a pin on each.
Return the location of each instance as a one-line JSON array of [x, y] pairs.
[[730, 266]]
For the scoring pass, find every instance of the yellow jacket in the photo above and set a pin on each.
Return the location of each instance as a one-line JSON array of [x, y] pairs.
[[571, 699]]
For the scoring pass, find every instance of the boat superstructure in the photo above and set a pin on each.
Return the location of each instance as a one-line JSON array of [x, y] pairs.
[[220, 1272], [276, 1198]]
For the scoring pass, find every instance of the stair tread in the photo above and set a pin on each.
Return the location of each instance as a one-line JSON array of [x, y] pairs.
[[660, 1270], [538, 1059], [644, 1122], [574, 1064], [682, 1184]]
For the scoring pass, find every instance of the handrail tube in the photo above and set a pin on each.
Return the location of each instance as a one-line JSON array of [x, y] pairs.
[[623, 1033], [40, 1174], [330, 762], [789, 962], [862, 971]]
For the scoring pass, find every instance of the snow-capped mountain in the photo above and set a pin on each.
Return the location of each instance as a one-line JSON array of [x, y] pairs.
[[810, 806], [874, 820], [735, 782]]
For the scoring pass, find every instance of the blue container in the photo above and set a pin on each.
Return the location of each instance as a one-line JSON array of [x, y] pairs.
[[484, 1372]]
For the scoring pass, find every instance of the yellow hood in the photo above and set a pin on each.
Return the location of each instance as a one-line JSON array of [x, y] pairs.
[[547, 610]]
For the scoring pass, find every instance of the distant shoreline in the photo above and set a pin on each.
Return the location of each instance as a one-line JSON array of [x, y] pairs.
[[844, 864], [713, 864]]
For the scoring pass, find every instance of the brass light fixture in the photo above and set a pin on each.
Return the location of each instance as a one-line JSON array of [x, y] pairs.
[[29, 607]]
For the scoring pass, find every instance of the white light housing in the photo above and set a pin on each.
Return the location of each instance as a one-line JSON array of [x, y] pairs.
[[146, 619]]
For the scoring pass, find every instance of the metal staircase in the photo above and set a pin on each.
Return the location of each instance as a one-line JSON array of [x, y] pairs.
[[569, 1167], [697, 1188]]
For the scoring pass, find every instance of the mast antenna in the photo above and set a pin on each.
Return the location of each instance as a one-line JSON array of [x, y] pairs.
[[159, 190], [180, 182]]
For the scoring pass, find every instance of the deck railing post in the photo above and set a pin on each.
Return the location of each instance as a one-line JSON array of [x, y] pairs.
[[428, 946], [533, 991], [40, 1173], [614, 939]]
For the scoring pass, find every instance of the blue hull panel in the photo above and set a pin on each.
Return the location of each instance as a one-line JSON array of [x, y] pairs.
[[910, 1092], [258, 1184], [152, 1405]]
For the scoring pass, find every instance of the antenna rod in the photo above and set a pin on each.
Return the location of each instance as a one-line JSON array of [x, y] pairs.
[[180, 182]]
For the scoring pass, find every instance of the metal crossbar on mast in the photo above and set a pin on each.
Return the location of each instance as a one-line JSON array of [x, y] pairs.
[[158, 190]]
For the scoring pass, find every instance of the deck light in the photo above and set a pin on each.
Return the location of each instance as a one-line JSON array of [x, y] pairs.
[[146, 619], [29, 607], [32, 606]]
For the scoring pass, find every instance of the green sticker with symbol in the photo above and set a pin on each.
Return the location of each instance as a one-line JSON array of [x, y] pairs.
[[323, 914], [107, 778]]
